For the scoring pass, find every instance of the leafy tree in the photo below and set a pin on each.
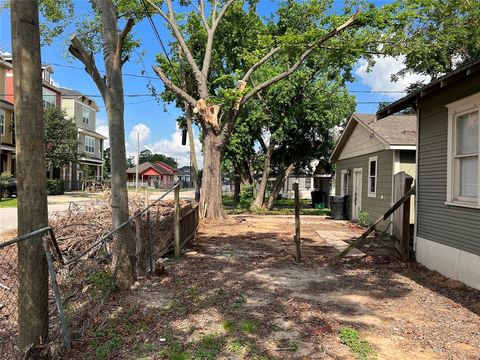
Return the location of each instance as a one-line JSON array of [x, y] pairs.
[[106, 165], [147, 156], [61, 138], [130, 162], [435, 36], [223, 50]]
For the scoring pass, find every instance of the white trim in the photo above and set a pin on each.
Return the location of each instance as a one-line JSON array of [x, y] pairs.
[[456, 109], [451, 262], [354, 189], [85, 145], [343, 172], [372, 194], [403, 147], [4, 113], [8, 148], [415, 198]]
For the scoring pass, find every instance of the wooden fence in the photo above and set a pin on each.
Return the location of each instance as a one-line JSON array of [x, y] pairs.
[[186, 223]]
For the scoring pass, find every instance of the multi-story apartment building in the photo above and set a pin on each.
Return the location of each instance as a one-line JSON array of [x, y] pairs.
[[7, 128], [83, 111]]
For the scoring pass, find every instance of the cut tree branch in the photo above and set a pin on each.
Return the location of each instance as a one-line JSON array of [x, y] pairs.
[[77, 50], [176, 89], [301, 59]]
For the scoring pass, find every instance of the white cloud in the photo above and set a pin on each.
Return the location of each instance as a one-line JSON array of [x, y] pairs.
[[171, 146], [378, 78], [142, 131]]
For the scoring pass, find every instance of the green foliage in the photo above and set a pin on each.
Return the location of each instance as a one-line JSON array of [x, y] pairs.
[[236, 347], [228, 325], [351, 338], [248, 327], [61, 138], [246, 197], [5, 179], [55, 187], [105, 349], [103, 282], [147, 156], [363, 218], [209, 347]]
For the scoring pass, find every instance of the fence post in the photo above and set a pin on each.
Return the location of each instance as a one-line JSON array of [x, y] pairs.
[[150, 242], [177, 244], [140, 245], [298, 253]]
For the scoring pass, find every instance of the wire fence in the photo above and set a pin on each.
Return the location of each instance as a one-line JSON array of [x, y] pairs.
[[81, 277]]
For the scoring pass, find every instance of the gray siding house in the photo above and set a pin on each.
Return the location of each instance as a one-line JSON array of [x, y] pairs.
[[447, 235], [367, 155], [90, 161]]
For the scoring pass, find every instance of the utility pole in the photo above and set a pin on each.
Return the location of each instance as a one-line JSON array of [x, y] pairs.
[[138, 161], [32, 180]]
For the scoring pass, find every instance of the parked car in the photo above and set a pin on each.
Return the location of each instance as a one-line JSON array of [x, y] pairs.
[[11, 189]]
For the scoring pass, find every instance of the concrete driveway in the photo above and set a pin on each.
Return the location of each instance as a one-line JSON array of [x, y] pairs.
[[8, 216]]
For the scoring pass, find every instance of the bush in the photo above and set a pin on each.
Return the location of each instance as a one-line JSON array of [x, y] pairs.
[[55, 187], [246, 197], [363, 218]]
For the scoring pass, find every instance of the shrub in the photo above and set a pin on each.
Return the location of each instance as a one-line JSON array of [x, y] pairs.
[[246, 197], [55, 187], [103, 282], [363, 218], [4, 181]]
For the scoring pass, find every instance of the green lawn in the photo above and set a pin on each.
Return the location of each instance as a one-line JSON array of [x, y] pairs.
[[8, 203], [228, 201]]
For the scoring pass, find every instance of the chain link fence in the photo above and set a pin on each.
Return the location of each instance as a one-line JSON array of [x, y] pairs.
[[81, 276]]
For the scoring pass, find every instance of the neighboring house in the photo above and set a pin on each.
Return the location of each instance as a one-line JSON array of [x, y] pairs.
[[83, 111], [447, 229], [7, 128], [184, 176], [367, 155], [153, 174]]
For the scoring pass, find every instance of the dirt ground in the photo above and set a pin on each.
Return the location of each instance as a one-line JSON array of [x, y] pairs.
[[238, 294]]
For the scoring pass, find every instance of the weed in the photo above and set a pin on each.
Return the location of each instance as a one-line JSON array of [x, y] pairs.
[[351, 338], [248, 327], [238, 302], [175, 351], [236, 347], [106, 348], [363, 218], [228, 325], [209, 347], [103, 282]]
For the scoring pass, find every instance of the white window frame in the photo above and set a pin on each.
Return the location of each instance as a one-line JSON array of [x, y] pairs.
[[370, 160], [343, 173], [46, 95], [456, 109], [89, 146], [3, 121], [85, 109]]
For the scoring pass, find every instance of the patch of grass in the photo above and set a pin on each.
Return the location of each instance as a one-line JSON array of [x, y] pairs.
[[238, 302], [228, 325], [8, 203], [103, 282], [175, 351], [309, 211], [248, 327], [105, 349], [236, 347], [351, 338], [209, 347]]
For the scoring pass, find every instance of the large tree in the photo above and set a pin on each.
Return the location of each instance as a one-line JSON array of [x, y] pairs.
[[32, 182], [222, 49], [148, 156]]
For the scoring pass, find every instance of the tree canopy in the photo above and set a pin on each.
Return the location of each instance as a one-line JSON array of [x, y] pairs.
[[148, 156]]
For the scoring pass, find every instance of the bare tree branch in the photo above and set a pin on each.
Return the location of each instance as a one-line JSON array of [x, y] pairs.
[[201, 11], [301, 59], [260, 63], [211, 33], [123, 34], [176, 89], [77, 50]]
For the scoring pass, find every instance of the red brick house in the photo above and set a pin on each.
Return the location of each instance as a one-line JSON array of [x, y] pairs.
[[156, 174]]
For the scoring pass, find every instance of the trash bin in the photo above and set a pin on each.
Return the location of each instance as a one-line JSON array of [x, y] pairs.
[[337, 206], [316, 197]]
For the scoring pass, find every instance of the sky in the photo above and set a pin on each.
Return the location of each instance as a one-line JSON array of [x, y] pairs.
[[156, 122]]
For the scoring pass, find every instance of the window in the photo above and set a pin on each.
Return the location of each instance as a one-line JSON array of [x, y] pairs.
[[372, 176], [85, 115], [344, 184], [2, 122], [89, 144], [49, 99], [463, 151]]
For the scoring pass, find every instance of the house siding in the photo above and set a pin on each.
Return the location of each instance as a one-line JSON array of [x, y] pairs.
[[452, 226], [360, 142], [376, 206]]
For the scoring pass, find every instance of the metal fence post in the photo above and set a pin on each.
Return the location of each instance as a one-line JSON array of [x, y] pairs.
[[298, 252], [176, 240], [58, 299]]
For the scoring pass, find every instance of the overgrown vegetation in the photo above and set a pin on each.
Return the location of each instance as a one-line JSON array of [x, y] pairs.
[[363, 218], [103, 282], [351, 338], [55, 187]]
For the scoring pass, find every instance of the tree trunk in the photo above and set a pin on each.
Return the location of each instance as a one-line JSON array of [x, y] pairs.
[[211, 192], [191, 143], [123, 244], [262, 188], [281, 176], [31, 174], [237, 183]]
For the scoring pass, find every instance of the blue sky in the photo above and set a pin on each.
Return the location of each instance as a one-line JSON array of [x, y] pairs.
[[157, 127]]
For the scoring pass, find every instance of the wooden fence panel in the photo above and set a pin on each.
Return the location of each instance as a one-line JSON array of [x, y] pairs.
[[401, 218]]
